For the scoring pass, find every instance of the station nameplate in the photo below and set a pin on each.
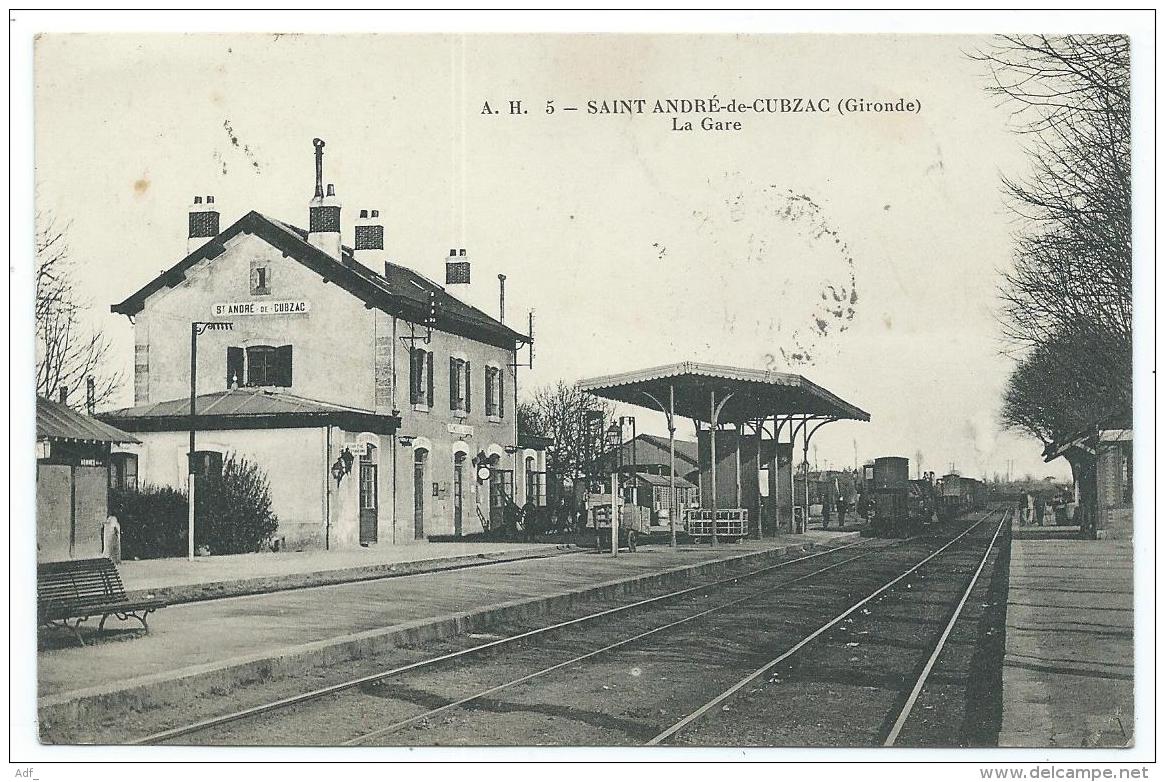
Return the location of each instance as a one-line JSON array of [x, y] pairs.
[[233, 308], [465, 430]]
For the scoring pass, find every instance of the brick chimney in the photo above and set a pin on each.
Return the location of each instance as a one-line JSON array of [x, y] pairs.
[[368, 248], [203, 223], [457, 268], [323, 230]]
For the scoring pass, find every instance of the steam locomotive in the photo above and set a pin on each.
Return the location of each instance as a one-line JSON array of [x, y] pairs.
[[893, 504]]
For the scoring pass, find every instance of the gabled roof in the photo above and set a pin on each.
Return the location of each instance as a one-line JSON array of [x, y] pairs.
[[403, 292], [653, 449], [249, 408], [55, 421], [665, 480]]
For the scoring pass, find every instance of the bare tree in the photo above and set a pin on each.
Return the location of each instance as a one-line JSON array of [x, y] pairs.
[[1067, 303], [67, 352], [574, 419]]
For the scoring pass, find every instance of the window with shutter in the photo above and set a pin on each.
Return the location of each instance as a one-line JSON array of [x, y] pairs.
[[234, 367], [468, 389], [429, 374], [453, 383], [416, 356], [282, 375], [490, 408]]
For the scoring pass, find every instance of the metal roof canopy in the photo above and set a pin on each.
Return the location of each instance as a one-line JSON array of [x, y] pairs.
[[717, 394], [742, 394]]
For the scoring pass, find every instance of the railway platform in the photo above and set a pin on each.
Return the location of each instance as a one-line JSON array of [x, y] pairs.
[[206, 578], [1068, 660], [214, 646]]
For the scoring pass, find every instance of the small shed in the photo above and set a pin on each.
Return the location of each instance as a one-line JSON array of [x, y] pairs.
[[72, 481]]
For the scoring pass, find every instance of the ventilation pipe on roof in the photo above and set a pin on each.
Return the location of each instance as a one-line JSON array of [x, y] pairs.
[[324, 211], [203, 223], [501, 298]]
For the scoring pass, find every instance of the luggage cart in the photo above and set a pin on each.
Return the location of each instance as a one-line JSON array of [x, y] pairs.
[[731, 524], [634, 524]]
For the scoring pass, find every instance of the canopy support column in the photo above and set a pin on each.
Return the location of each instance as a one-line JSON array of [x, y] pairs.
[[714, 422], [669, 412]]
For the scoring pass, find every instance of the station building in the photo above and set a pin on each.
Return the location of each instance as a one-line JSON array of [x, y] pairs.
[[380, 405]]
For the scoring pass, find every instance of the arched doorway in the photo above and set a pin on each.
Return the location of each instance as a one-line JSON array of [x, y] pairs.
[[369, 498], [420, 459]]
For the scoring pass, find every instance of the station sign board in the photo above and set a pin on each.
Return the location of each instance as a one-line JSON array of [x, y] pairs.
[[236, 308]]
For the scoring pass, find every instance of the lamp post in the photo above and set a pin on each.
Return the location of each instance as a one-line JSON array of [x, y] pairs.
[[196, 328], [615, 440]]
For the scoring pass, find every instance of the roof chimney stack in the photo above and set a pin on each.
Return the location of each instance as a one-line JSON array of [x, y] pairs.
[[368, 247], [457, 268], [203, 223], [324, 212]]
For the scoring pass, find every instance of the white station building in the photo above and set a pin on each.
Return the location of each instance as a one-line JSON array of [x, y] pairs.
[[372, 396]]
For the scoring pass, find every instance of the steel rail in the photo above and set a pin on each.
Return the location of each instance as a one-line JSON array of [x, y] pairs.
[[396, 726], [373, 679], [904, 714], [728, 693]]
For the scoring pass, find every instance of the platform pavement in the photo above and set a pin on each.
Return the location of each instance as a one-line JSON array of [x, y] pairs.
[[206, 645], [1068, 659], [182, 580]]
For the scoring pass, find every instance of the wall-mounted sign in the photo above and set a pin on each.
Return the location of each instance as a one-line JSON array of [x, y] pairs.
[[464, 430], [260, 308]]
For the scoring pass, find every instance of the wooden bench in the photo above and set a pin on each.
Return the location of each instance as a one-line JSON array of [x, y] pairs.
[[80, 589]]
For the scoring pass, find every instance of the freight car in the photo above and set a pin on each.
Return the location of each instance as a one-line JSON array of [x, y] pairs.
[[959, 494]]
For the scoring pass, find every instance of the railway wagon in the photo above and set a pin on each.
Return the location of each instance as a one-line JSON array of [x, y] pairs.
[[959, 493]]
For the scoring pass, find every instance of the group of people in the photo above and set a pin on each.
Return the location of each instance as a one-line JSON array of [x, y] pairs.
[[1035, 510]]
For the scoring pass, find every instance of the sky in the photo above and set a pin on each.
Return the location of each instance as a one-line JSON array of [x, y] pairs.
[[861, 250]]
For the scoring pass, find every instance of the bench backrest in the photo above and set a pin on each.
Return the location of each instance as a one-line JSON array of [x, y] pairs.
[[78, 582]]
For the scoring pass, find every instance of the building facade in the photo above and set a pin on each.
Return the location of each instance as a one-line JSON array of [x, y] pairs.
[[381, 406]]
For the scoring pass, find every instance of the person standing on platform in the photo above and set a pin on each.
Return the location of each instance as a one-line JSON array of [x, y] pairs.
[[111, 539]]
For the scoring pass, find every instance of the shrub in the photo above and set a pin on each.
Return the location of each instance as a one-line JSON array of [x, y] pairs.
[[153, 521], [232, 510]]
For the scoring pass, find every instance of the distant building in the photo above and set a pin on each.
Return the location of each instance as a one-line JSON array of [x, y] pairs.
[[372, 396], [72, 481]]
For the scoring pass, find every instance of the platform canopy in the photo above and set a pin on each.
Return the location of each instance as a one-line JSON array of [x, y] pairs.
[[741, 394]]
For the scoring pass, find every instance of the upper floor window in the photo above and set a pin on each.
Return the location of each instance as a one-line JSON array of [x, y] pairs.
[[421, 377], [259, 365], [495, 398], [459, 385]]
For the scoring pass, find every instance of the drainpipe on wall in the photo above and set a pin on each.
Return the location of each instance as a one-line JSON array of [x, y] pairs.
[[328, 487], [395, 412]]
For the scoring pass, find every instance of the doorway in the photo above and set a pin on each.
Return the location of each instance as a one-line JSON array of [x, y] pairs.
[[419, 459], [458, 480], [369, 500]]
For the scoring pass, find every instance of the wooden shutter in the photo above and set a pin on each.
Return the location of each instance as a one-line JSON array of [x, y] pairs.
[[235, 367], [501, 394], [468, 388], [429, 372], [453, 383], [283, 366], [414, 376]]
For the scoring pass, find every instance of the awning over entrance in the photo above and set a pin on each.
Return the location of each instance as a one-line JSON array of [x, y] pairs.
[[745, 394], [249, 408]]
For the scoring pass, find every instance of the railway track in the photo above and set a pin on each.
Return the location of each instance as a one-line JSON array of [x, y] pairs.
[[443, 699]]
